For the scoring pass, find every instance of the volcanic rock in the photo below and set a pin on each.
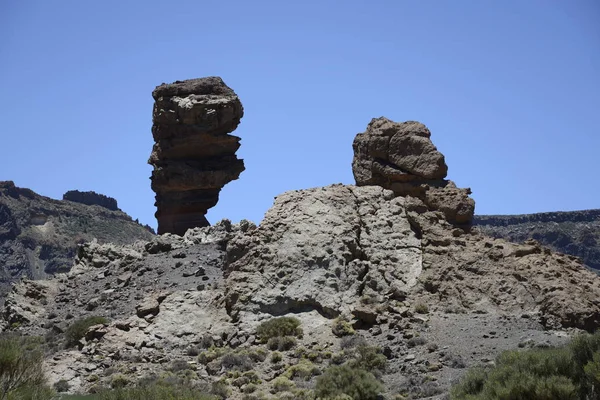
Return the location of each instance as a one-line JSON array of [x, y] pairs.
[[571, 232], [194, 155], [91, 198], [39, 235], [402, 158]]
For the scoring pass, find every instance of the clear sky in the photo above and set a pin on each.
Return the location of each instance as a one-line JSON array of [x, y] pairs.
[[510, 90]]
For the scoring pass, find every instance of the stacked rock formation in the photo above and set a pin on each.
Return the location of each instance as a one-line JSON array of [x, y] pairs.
[[402, 158], [194, 155]]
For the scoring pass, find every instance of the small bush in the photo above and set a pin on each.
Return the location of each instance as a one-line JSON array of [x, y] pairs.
[[350, 342], [304, 369], [211, 354], [61, 386], [341, 327], [281, 343], [369, 358], [236, 362], [421, 308], [179, 365], [281, 326], [345, 380], [21, 373], [77, 329], [276, 357], [281, 384], [119, 381], [416, 341], [152, 391]]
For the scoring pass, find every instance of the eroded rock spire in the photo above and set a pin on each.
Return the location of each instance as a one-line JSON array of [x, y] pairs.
[[194, 154]]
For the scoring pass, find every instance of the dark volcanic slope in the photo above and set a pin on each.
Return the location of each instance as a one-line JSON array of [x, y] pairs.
[[574, 232], [39, 235]]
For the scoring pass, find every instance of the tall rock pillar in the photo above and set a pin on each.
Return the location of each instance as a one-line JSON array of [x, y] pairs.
[[194, 154]]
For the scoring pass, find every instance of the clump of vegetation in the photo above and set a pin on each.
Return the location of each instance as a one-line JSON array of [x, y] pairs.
[[61, 386], [211, 354], [282, 384], [304, 369], [278, 327], [77, 329], [341, 327], [153, 391], [236, 362], [568, 372], [281, 343], [421, 308], [344, 381], [21, 373]]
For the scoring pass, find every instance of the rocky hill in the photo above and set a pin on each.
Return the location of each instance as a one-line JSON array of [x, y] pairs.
[[388, 273], [39, 235], [574, 232]]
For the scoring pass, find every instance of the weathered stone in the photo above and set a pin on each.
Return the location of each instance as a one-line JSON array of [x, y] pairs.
[[194, 155], [91, 198], [402, 158]]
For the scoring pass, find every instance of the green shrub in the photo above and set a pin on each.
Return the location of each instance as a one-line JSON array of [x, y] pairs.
[[236, 362], [341, 327], [21, 373], [61, 386], [154, 392], [281, 326], [281, 343], [77, 329], [345, 380], [282, 384], [304, 369], [544, 374], [276, 357], [421, 308]]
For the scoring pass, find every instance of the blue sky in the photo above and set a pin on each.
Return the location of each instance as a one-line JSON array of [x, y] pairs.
[[510, 90]]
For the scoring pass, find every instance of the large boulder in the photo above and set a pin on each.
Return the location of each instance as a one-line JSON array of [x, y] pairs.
[[194, 155], [401, 157]]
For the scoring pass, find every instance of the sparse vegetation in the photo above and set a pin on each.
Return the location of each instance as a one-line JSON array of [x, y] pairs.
[[77, 329], [342, 380], [421, 308], [279, 327], [341, 327], [281, 343], [21, 373], [569, 372]]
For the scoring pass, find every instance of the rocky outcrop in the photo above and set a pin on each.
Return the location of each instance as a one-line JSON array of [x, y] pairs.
[[402, 158], [194, 155], [91, 198], [573, 232], [39, 236], [325, 249]]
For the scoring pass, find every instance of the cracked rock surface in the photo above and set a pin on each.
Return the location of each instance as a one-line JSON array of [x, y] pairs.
[[326, 249]]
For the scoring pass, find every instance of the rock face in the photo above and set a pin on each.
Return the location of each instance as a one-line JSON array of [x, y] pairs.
[[194, 155], [574, 232], [402, 158], [386, 264], [91, 198], [39, 235]]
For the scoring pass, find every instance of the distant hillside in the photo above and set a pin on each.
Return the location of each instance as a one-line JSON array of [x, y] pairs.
[[39, 235], [573, 232]]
